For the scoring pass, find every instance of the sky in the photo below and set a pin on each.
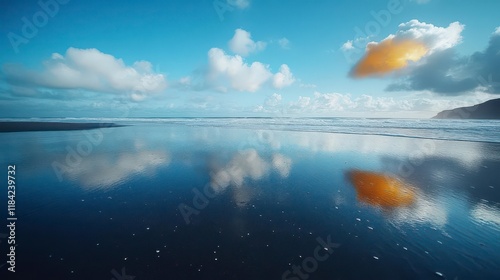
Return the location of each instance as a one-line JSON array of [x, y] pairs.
[[243, 58]]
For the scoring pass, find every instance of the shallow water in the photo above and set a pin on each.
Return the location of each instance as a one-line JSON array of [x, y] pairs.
[[169, 200]]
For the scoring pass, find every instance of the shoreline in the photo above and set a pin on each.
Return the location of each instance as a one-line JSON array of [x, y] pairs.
[[51, 126]]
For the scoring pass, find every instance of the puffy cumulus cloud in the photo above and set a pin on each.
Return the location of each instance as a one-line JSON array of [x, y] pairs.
[[283, 78], [447, 73], [421, 105], [388, 56], [89, 69], [413, 41], [241, 76], [231, 71], [424, 59], [242, 43], [435, 38]]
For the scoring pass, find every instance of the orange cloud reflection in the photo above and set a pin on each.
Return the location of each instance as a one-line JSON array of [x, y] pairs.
[[380, 189], [387, 56]]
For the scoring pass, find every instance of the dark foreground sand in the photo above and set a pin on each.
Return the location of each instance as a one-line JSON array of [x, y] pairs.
[[50, 126]]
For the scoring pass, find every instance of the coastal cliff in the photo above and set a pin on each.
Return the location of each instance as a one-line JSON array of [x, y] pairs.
[[487, 110]]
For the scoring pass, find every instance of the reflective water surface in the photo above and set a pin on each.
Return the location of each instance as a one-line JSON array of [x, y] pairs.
[[167, 201]]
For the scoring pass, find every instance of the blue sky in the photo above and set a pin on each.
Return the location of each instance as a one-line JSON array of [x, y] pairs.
[[70, 58]]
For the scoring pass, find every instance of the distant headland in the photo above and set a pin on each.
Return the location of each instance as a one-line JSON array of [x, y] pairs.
[[487, 110]]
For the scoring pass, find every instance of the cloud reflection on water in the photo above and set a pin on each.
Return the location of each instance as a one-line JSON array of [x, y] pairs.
[[108, 170], [248, 164], [380, 189], [462, 169], [424, 210], [484, 213], [468, 154], [401, 202]]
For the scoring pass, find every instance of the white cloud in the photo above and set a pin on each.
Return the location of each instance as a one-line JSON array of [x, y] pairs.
[[226, 69], [445, 72], [92, 70], [322, 102], [273, 101], [283, 78], [242, 43], [303, 102], [435, 38], [422, 105], [240, 4], [347, 46], [284, 43], [241, 76]]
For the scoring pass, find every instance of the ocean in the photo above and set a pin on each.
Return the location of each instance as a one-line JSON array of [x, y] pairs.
[[255, 198]]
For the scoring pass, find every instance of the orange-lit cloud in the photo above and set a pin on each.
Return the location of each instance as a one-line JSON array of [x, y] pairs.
[[382, 190], [388, 56]]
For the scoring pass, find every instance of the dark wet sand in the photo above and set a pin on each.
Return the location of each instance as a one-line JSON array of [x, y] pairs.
[[157, 201], [50, 126]]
